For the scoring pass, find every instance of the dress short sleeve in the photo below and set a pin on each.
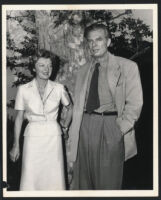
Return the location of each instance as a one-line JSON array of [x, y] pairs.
[[65, 97], [19, 101]]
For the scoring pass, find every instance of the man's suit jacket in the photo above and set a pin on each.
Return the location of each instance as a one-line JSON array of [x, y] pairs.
[[125, 86]]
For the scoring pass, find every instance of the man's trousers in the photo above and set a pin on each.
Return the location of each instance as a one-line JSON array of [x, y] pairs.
[[100, 157]]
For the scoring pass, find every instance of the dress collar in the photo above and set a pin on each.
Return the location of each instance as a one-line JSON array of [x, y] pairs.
[[48, 89]]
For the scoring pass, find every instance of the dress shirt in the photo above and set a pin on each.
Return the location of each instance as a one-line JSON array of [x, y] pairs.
[[105, 97]]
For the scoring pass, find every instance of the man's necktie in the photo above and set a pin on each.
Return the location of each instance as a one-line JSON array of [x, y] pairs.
[[93, 97]]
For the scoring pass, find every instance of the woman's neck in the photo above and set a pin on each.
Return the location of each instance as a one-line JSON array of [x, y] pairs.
[[41, 82]]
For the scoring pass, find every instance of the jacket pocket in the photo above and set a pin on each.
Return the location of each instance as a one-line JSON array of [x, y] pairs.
[[119, 129]]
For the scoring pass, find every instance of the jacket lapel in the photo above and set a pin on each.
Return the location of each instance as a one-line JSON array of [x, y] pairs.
[[83, 82], [49, 88], [113, 73], [34, 88]]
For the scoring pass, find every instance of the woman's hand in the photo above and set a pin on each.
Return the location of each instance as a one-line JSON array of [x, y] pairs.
[[15, 153], [70, 172], [65, 132]]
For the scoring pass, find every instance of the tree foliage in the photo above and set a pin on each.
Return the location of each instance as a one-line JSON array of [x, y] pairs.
[[61, 31], [21, 43]]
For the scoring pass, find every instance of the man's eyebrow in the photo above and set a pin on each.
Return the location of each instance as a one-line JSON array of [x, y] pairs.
[[40, 63], [99, 37], [95, 38]]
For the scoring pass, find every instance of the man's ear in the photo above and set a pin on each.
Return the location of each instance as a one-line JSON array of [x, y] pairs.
[[108, 42]]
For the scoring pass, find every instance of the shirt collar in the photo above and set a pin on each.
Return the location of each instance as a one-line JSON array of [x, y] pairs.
[[103, 61]]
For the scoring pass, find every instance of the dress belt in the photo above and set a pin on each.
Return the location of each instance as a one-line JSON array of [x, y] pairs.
[[103, 113]]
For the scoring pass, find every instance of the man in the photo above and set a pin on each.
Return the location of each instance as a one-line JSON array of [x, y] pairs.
[[108, 102]]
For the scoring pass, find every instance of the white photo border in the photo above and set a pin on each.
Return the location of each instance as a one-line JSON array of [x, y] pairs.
[[88, 193]]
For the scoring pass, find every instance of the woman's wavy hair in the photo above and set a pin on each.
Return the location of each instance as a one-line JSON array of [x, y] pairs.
[[42, 53]]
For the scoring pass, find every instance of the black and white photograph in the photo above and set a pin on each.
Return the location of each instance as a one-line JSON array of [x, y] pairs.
[[80, 102]]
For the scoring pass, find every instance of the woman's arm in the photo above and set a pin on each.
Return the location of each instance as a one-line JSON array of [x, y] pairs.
[[15, 151], [67, 121], [68, 118]]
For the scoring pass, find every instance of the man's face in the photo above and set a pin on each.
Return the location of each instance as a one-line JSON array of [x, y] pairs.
[[43, 68], [98, 42]]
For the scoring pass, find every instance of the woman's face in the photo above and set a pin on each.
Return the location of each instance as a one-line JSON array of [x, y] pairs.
[[43, 68]]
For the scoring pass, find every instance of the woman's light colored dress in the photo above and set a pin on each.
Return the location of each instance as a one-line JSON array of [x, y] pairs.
[[42, 159]]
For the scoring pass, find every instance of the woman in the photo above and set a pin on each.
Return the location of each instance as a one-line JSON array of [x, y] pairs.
[[38, 101]]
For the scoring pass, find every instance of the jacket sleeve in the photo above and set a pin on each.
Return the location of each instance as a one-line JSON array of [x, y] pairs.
[[133, 99]]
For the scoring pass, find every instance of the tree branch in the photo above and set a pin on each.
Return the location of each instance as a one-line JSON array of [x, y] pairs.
[[119, 15], [139, 53]]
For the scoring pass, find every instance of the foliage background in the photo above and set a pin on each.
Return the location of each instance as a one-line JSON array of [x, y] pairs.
[[61, 32]]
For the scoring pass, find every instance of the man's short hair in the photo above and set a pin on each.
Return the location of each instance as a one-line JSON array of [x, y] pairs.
[[94, 27]]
